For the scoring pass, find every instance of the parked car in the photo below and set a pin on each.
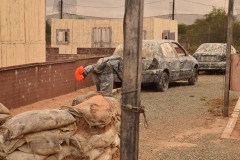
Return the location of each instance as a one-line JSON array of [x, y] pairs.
[[212, 56], [163, 62]]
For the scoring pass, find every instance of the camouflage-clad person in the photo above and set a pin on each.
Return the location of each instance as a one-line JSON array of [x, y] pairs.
[[103, 72]]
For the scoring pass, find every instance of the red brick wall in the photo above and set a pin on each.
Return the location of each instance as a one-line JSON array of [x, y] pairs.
[[26, 84], [53, 53]]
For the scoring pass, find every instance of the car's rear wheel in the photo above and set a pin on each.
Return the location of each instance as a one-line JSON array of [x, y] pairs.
[[163, 83], [194, 77]]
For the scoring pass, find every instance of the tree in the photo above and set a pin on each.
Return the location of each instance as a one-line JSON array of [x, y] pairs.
[[182, 29], [217, 23], [236, 35], [212, 28]]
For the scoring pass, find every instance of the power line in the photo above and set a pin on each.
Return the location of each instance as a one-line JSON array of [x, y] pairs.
[[201, 3], [113, 6], [148, 3], [160, 1]]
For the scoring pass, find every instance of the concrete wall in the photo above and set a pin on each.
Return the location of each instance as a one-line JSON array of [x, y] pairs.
[[22, 32], [81, 31]]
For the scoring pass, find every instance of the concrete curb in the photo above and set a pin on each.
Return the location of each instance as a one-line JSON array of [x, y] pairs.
[[232, 121]]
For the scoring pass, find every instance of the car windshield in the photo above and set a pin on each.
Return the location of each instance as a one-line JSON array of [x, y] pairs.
[[147, 53], [212, 47]]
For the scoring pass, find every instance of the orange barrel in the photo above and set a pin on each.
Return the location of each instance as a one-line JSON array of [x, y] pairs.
[[235, 72]]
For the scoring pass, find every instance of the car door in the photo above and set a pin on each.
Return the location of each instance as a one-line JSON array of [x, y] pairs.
[[171, 60], [186, 65]]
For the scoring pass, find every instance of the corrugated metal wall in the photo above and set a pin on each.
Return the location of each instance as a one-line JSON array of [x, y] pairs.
[[22, 32], [81, 32]]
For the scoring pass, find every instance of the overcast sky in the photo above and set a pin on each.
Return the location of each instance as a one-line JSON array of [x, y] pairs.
[[115, 8]]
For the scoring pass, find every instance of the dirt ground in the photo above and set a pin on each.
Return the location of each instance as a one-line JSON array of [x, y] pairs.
[[185, 122], [56, 102]]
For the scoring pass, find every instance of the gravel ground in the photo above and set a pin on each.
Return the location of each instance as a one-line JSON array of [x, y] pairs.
[[185, 122], [181, 126]]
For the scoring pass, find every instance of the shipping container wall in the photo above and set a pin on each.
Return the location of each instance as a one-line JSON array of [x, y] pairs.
[[22, 32], [148, 28], [82, 32], [70, 34]]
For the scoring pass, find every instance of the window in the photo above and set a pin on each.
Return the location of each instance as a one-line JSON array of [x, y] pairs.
[[63, 36], [166, 34], [178, 49], [168, 50], [101, 37]]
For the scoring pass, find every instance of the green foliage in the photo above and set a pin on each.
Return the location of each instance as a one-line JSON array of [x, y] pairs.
[[236, 35], [212, 28], [182, 29]]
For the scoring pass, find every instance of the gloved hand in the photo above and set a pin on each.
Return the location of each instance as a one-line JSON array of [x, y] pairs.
[[79, 74]]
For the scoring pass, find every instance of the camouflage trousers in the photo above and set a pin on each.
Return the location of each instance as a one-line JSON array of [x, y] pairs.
[[104, 82]]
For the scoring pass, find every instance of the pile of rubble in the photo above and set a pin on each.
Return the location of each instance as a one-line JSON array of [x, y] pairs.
[[88, 129]]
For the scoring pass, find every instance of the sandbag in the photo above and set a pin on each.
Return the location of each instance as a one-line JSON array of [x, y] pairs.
[[107, 155], [102, 140], [48, 142], [11, 145], [95, 153], [78, 141], [3, 155], [67, 153], [34, 121], [96, 141], [84, 97], [91, 132], [4, 110], [18, 155], [96, 109], [4, 114]]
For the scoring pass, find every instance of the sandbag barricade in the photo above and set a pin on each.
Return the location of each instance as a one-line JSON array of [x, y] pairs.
[[88, 129], [4, 114]]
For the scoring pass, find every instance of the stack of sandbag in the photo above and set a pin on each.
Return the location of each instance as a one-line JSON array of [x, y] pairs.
[[4, 114], [86, 130], [98, 125]]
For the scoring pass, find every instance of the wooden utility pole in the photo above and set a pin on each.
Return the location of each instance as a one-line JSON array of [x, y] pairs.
[[173, 10], [228, 58], [131, 86], [61, 9]]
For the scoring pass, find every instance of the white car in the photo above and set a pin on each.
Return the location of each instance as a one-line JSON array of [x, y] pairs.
[[212, 56], [164, 61]]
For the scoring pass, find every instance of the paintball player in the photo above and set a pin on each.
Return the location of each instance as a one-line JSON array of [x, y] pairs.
[[103, 72]]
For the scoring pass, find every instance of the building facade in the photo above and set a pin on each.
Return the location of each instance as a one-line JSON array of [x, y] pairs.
[[70, 34], [22, 32]]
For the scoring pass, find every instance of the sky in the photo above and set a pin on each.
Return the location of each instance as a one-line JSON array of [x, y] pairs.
[[115, 8]]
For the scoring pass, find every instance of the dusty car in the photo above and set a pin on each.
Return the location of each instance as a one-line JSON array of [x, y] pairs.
[[164, 61], [212, 56]]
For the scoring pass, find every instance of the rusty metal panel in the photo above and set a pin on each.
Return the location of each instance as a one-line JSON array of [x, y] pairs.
[[235, 72]]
